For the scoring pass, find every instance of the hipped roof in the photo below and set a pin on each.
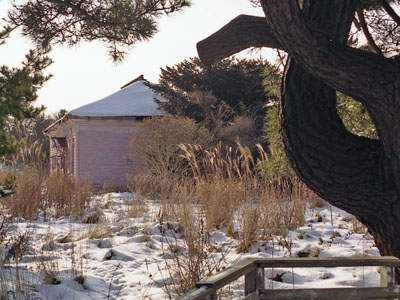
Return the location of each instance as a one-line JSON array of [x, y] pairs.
[[135, 100]]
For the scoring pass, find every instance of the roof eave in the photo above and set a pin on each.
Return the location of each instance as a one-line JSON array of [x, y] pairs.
[[116, 117], [56, 123]]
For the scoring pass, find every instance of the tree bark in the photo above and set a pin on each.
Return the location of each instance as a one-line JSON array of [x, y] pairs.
[[356, 174], [350, 172], [241, 33], [369, 78], [359, 175]]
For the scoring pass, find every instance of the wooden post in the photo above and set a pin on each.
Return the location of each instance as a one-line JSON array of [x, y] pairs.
[[213, 296], [253, 282], [260, 278], [250, 282], [387, 277]]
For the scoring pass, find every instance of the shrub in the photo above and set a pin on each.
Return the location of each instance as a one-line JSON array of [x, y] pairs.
[[243, 128], [156, 142]]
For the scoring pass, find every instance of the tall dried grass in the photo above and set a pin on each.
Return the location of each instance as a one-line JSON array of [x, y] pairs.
[[186, 246], [223, 191], [32, 148], [230, 194], [57, 194]]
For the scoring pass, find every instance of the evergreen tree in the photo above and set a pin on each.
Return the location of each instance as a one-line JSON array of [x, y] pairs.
[[355, 117], [276, 167], [18, 91], [232, 85]]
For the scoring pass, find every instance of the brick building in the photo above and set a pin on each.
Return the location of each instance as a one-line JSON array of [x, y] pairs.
[[91, 142]]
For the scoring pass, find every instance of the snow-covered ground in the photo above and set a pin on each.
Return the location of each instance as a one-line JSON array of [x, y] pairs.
[[122, 257]]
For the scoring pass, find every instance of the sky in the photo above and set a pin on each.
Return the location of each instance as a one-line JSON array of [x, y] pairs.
[[85, 73]]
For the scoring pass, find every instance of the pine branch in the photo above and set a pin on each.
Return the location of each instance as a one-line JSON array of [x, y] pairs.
[[117, 23]]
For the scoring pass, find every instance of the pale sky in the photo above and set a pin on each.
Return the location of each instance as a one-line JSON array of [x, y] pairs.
[[85, 74]]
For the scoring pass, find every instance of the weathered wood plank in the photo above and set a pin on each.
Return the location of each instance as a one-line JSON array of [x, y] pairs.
[[228, 275], [199, 294], [250, 282], [328, 262], [254, 282], [332, 293], [261, 278]]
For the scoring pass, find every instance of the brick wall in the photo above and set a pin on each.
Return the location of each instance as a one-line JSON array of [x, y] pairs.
[[102, 148]]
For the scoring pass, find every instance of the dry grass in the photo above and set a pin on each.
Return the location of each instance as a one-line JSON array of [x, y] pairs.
[[58, 194], [16, 283], [221, 190], [192, 256], [49, 270], [97, 232], [16, 280], [249, 228], [28, 198], [226, 179], [67, 195], [229, 194], [137, 208]]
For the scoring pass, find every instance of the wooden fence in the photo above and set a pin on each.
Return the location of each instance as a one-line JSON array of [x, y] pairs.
[[253, 270]]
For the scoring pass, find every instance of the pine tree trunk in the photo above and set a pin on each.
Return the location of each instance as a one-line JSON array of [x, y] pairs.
[[359, 175], [346, 170], [351, 172]]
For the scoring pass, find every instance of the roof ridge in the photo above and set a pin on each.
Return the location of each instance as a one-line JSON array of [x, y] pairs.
[[139, 78]]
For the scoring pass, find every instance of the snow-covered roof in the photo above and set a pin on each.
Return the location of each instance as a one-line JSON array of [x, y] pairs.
[[135, 100]]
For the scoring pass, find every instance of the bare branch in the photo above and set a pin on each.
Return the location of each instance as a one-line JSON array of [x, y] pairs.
[[241, 33], [390, 12], [366, 32]]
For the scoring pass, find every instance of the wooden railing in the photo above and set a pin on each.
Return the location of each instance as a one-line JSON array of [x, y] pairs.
[[253, 270]]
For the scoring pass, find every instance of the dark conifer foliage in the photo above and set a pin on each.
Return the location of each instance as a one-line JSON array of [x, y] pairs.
[[236, 83], [18, 91]]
